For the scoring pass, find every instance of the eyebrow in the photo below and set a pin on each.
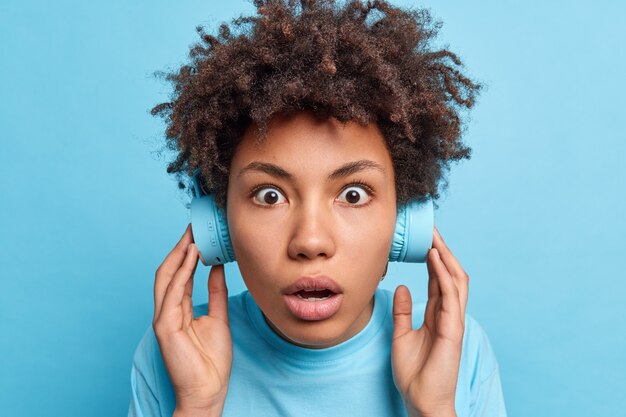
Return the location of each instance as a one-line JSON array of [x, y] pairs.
[[341, 172]]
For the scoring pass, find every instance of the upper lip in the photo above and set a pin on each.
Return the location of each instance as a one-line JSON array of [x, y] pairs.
[[318, 282]]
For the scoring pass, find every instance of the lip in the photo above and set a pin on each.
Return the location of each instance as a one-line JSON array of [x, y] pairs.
[[319, 282], [313, 310]]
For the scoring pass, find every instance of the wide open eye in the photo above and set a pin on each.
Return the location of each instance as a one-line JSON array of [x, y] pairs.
[[268, 196], [355, 195]]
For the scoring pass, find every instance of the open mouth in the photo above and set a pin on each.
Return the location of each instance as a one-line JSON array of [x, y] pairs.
[[314, 295]]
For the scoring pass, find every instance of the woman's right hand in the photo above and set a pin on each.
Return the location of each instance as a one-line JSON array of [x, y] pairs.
[[197, 352]]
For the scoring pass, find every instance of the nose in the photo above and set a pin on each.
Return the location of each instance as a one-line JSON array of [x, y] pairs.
[[312, 233]]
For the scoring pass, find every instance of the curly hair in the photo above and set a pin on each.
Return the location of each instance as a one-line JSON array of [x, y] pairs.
[[363, 62]]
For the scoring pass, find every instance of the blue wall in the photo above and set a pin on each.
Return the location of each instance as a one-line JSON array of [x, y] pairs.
[[87, 211]]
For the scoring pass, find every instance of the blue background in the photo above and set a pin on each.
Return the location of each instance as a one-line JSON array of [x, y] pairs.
[[87, 211]]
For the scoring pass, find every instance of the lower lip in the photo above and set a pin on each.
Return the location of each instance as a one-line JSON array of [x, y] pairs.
[[313, 310]]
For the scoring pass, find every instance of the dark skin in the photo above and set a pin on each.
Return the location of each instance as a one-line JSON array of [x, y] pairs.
[[425, 361], [335, 63]]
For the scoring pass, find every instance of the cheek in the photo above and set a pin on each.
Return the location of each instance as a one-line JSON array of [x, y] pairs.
[[369, 234], [369, 252], [256, 247]]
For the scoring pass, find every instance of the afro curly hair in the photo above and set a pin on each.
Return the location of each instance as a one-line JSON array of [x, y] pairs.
[[363, 62]]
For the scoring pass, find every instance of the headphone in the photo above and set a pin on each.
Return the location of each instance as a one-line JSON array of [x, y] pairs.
[[412, 237]]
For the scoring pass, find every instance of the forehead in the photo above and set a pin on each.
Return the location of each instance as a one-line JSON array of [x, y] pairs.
[[302, 142]]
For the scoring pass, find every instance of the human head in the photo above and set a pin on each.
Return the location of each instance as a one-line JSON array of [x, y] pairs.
[[316, 197], [354, 62], [367, 64]]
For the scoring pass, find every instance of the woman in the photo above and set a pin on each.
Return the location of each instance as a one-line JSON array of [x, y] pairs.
[[310, 129]]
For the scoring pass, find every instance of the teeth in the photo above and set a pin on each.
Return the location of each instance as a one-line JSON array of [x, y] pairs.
[[311, 298]]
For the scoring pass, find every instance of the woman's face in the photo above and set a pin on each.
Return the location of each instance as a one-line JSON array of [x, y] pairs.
[[315, 198]]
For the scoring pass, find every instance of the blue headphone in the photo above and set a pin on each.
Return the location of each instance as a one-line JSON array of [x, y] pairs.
[[412, 237]]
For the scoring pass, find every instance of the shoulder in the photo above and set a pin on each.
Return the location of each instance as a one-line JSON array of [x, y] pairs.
[[145, 351]]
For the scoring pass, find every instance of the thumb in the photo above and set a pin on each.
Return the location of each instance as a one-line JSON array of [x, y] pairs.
[[402, 311], [218, 293]]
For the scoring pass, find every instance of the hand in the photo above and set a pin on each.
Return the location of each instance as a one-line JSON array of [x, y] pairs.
[[425, 361], [197, 352]]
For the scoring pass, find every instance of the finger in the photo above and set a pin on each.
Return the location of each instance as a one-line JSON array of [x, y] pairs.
[[172, 313], [460, 277], [449, 292], [434, 291], [402, 311], [168, 268], [463, 287], [175, 258], [449, 260], [218, 293], [188, 299], [447, 310], [433, 284]]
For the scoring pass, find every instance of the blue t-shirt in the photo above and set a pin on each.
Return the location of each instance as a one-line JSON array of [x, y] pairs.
[[272, 377]]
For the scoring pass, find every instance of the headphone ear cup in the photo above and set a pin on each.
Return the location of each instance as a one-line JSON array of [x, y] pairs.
[[413, 236], [209, 228]]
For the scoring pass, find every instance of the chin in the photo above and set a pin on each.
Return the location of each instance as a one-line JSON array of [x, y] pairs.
[[314, 334]]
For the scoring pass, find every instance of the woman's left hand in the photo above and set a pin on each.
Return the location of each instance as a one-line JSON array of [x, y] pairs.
[[426, 361]]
